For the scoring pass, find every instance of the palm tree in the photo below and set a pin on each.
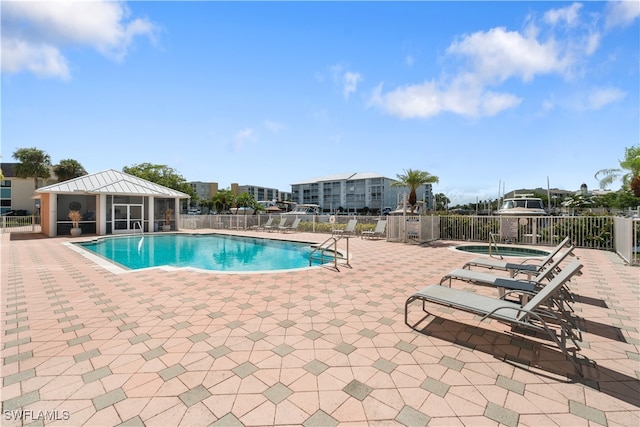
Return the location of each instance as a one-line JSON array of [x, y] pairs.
[[68, 169], [244, 200], [223, 199], [442, 201], [33, 163], [414, 179], [629, 171]]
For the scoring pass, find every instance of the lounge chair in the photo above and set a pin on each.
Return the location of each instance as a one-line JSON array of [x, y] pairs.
[[525, 266], [526, 287], [509, 283], [531, 316], [292, 227], [265, 225], [350, 229], [380, 230], [272, 227]]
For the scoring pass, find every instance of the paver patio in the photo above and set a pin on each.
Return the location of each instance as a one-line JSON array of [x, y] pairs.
[[82, 345]]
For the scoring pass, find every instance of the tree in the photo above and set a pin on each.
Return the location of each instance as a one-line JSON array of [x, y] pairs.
[[414, 179], [222, 200], [207, 204], [442, 202], [68, 169], [245, 200], [628, 172], [162, 175], [33, 163]]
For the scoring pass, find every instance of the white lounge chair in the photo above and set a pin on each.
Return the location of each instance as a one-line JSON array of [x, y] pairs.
[[350, 229], [380, 230], [283, 221], [532, 316], [265, 225], [525, 266], [527, 288], [292, 227], [502, 282]]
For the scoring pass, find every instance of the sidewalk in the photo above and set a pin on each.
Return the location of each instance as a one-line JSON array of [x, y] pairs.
[[84, 346]]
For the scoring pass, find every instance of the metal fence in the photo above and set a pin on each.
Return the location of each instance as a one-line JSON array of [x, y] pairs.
[[22, 224], [309, 223], [618, 234], [417, 229], [595, 232]]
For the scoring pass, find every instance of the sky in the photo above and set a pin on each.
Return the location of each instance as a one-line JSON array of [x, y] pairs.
[[489, 97]]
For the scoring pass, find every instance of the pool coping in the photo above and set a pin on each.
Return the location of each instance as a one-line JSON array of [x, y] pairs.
[[117, 268], [521, 257]]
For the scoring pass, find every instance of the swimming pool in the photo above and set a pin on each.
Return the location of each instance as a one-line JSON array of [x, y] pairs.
[[515, 251], [205, 251]]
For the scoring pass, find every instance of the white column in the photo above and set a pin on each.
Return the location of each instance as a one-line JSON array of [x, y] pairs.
[[152, 214], [101, 215], [53, 214], [176, 210]]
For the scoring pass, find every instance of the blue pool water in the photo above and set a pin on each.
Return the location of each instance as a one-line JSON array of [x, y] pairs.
[[205, 251]]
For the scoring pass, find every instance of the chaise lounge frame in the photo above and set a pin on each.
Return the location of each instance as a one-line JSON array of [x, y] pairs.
[[525, 266], [530, 316]]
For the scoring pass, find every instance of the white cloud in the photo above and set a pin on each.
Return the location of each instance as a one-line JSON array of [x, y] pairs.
[[409, 60], [592, 43], [34, 34], [569, 15], [347, 80], [480, 63], [273, 126], [602, 97], [494, 103], [497, 55], [41, 60], [548, 105], [241, 138], [621, 13], [464, 96], [350, 80]]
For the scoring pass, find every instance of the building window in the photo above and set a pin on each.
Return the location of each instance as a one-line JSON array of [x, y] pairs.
[[5, 196]]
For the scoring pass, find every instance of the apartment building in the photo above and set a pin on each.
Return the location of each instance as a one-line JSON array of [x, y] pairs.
[[354, 192], [263, 193], [16, 194], [206, 190]]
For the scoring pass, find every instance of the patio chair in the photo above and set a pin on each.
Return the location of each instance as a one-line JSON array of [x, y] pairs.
[[292, 227], [531, 316], [526, 287], [283, 221], [525, 266], [380, 230], [502, 282], [265, 225], [350, 229]]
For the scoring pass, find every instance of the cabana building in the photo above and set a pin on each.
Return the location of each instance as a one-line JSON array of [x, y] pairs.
[[110, 202]]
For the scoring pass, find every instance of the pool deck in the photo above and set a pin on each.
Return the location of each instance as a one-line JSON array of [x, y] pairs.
[[315, 347]]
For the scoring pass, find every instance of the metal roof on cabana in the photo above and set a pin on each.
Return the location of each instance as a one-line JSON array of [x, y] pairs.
[[112, 182]]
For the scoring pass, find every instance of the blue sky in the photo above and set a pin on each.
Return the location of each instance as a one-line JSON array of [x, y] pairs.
[[484, 95]]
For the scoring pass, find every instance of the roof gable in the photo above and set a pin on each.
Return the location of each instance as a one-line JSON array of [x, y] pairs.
[[112, 182]]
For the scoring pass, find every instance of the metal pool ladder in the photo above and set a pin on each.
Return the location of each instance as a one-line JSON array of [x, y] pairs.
[[493, 243], [139, 224], [332, 242]]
